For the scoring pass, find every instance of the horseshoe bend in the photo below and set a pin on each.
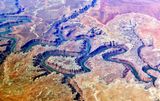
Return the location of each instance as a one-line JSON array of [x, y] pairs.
[[79, 50]]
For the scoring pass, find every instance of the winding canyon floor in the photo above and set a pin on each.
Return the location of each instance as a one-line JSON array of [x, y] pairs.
[[79, 50]]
